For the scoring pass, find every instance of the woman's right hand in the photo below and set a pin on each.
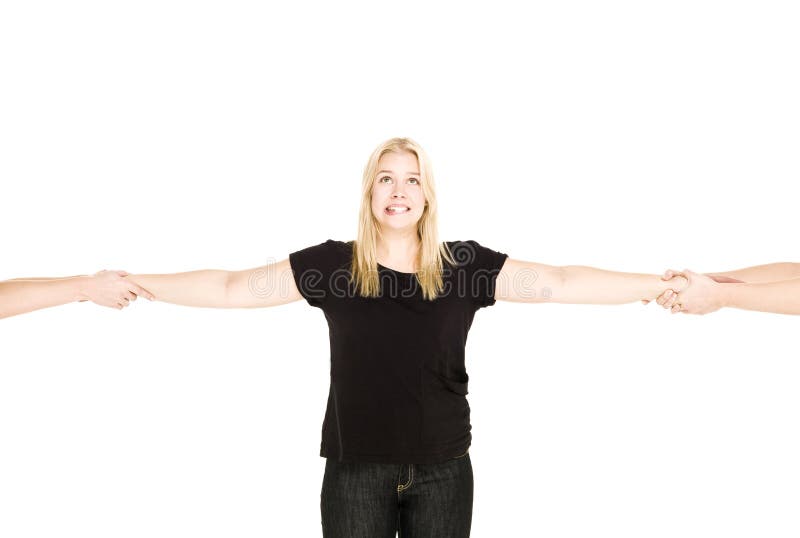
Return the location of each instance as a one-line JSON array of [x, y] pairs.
[[112, 289]]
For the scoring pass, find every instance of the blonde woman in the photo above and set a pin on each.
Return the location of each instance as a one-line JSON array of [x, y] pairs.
[[399, 304]]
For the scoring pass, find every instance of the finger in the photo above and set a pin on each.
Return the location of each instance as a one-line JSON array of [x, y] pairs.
[[138, 290], [129, 296], [671, 273], [676, 308], [672, 300], [676, 274], [664, 296], [122, 273], [645, 301]]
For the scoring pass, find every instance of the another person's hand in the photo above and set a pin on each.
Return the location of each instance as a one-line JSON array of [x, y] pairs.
[[669, 273], [112, 289], [701, 296], [679, 282]]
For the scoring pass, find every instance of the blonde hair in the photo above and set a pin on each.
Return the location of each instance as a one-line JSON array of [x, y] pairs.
[[432, 253]]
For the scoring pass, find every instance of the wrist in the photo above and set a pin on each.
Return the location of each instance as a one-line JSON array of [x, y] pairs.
[[81, 286], [724, 294]]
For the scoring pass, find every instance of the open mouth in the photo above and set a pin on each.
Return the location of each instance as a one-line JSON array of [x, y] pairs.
[[397, 209]]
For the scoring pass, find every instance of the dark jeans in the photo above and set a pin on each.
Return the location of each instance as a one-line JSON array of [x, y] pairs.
[[375, 500]]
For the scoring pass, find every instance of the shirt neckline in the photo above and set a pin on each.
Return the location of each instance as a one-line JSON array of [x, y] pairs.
[[396, 271]]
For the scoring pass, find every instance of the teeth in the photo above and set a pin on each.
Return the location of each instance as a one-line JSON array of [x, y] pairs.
[[397, 208]]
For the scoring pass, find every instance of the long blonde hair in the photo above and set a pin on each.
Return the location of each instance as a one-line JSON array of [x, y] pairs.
[[432, 253]]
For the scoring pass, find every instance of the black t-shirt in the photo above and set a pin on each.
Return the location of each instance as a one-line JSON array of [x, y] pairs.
[[398, 380]]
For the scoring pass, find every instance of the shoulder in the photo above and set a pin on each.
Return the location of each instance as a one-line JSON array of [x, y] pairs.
[[481, 265], [471, 253], [328, 255], [341, 246], [330, 245]]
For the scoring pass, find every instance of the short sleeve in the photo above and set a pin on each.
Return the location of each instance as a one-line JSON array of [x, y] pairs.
[[312, 268], [483, 265]]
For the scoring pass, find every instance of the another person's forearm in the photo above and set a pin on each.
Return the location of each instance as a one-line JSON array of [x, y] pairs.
[[770, 272], [589, 285], [781, 297], [44, 278], [19, 296], [204, 288]]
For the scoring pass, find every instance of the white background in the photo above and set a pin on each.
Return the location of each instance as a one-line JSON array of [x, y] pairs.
[[166, 136]]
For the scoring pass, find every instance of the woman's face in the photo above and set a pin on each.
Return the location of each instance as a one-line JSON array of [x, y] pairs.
[[398, 183]]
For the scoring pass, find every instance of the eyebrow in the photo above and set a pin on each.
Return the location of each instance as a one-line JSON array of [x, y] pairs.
[[390, 172]]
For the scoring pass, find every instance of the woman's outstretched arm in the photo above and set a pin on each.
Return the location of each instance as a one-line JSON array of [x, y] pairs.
[[106, 288], [268, 285], [530, 282]]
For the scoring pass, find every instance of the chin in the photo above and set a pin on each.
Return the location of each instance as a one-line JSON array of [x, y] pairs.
[[395, 225]]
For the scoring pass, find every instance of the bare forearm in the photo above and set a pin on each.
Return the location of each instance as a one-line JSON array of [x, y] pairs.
[[781, 297], [770, 272], [589, 285], [44, 278], [204, 288], [19, 296]]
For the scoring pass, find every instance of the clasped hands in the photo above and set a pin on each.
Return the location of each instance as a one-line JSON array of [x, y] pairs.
[[701, 294], [112, 289]]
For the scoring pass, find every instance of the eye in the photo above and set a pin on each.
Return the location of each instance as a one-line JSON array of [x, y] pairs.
[[414, 179], [384, 177]]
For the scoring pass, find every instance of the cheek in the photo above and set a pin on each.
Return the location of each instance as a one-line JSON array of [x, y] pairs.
[[378, 192], [376, 206]]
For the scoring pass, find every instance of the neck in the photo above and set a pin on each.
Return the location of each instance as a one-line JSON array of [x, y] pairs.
[[398, 248]]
